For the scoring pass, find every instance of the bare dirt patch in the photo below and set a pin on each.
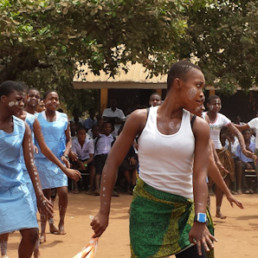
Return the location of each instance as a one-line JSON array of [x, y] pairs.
[[237, 234]]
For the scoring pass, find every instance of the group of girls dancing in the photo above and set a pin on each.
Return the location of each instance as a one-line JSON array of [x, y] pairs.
[[168, 214], [33, 161]]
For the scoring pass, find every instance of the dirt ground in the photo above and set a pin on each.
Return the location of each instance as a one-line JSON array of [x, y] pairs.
[[237, 235]]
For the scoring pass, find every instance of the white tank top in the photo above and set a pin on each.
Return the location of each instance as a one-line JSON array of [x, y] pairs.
[[166, 161]]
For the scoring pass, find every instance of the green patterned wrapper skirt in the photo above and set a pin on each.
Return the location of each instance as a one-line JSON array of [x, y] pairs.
[[160, 222]]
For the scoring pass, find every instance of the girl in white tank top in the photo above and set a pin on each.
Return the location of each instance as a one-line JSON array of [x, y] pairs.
[[173, 163]]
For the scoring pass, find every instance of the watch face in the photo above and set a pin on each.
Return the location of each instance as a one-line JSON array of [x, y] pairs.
[[201, 217]]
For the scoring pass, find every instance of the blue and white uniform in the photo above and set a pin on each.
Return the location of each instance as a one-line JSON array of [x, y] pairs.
[[16, 205], [51, 176]]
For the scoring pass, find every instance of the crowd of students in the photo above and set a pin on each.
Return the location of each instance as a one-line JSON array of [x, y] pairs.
[[144, 153]]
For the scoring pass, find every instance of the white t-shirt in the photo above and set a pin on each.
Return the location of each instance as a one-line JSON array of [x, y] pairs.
[[215, 128], [84, 151], [254, 125]]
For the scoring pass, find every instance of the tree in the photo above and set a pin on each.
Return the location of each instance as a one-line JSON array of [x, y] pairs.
[[43, 41], [223, 36]]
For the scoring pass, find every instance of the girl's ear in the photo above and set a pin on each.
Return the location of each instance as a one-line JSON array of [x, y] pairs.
[[3, 98], [177, 83]]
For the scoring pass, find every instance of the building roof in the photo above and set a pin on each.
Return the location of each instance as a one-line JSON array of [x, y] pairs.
[[137, 77]]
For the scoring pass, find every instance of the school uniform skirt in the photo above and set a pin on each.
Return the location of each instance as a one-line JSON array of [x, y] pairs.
[[29, 184], [17, 210], [51, 176]]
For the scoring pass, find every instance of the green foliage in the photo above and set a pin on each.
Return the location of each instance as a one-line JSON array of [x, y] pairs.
[[223, 36], [41, 41]]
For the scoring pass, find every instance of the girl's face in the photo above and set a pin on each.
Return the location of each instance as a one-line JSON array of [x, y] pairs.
[[33, 98], [155, 100], [95, 131], [247, 135], [52, 101], [193, 86], [15, 102], [81, 135], [41, 106], [214, 105], [107, 129]]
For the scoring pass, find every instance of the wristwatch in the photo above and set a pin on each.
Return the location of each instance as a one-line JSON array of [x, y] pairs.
[[200, 217], [66, 156]]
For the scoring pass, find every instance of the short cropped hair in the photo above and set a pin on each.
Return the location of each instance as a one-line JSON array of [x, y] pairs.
[[80, 128], [179, 70], [7, 87], [212, 97], [31, 89], [48, 92]]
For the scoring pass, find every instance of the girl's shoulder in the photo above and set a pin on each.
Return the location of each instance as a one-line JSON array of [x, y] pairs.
[[223, 117], [30, 117], [39, 115], [62, 115], [18, 121], [19, 125]]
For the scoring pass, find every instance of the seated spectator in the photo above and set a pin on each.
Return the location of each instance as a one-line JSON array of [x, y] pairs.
[[82, 153], [102, 146], [114, 115], [94, 134], [99, 124], [246, 163], [90, 121], [129, 169]]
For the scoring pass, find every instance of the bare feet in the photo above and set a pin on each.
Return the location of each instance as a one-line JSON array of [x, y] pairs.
[[75, 191], [53, 229], [219, 215], [42, 238], [36, 254], [61, 229]]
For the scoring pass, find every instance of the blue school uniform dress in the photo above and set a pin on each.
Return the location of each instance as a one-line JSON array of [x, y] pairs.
[[30, 119], [16, 205], [51, 176]]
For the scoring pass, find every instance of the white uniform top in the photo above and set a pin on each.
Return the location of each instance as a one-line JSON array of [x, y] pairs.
[[166, 161], [215, 128], [84, 151], [254, 125], [108, 112]]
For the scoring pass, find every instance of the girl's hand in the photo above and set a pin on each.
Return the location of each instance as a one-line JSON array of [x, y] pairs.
[[249, 154], [66, 161], [233, 200], [99, 224], [73, 174], [221, 167], [36, 149], [45, 206], [200, 235], [73, 156]]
